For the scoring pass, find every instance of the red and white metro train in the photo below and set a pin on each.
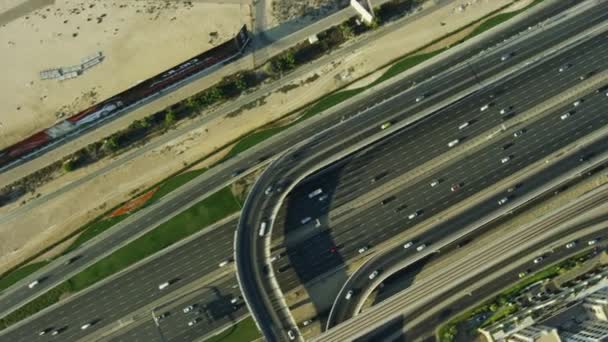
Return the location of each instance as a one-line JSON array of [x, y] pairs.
[[153, 86]]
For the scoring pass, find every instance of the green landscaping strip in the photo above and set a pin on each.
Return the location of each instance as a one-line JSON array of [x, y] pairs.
[[13, 277], [173, 183], [243, 331], [93, 230], [212, 209]]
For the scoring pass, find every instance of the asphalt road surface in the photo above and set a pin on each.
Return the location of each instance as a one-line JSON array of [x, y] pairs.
[[259, 212], [185, 201], [410, 148], [425, 330]]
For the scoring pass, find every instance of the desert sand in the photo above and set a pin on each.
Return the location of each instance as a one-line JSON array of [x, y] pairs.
[[52, 221], [139, 38]]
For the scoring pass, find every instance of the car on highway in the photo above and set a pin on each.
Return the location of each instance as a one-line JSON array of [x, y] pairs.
[[505, 110], [463, 125], [434, 183], [291, 334], [386, 125], [315, 193], [522, 274], [413, 215], [262, 230], [564, 67], [33, 283], [421, 247], [503, 200], [268, 190], [420, 98], [224, 263], [538, 260], [400, 208], [163, 285], [506, 146], [86, 326], [408, 244], [374, 274], [388, 200], [453, 142], [505, 160], [379, 176], [349, 295], [577, 102], [484, 107], [317, 223], [57, 332], [571, 244], [306, 220], [592, 242], [363, 249], [519, 133], [235, 300], [323, 198], [163, 316], [72, 259], [307, 322], [565, 115], [45, 331], [194, 321], [505, 56], [189, 308], [455, 187], [511, 189]]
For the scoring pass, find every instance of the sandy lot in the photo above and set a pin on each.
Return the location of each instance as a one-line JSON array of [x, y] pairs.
[[127, 32], [52, 221]]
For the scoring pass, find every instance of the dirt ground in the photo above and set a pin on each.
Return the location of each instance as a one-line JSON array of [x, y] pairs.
[[125, 31], [52, 221]]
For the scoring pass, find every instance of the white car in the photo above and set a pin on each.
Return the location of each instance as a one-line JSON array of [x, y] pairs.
[[317, 223], [234, 300], [420, 98], [434, 183], [44, 332], [291, 335], [565, 116], [386, 125], [305, 220], [505, 57], [363, 249], [453, 142], [349, 295], [564, 67], [33, 284], [577, 103], [306, 322], [85, 326], [373, 275], [194, 321], [485, 107], [408, 245], [503, 200], [570, 244], [55, 332], [592, 242], [188, 308], [412, 215], [503, 111], [538, 260], [268, 190], [518, 133], [505, 160], [421, 247], [224, 263]]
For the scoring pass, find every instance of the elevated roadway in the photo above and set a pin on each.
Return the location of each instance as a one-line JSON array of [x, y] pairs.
[[260, 207], [221, 175]]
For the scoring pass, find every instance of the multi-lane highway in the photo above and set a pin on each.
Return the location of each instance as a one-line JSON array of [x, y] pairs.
[[444, 306], [113, 312], [216, 178], [261, 206], [470, 265]]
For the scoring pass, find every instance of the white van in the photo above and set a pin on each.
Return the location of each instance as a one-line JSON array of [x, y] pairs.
[[463, 125], [262, 228], [453, 143], [163, 285], [485, 107]]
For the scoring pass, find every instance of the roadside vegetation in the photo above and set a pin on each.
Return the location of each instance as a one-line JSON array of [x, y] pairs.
[[502, 305], [194, 219], [243, 331], [141, 131]]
